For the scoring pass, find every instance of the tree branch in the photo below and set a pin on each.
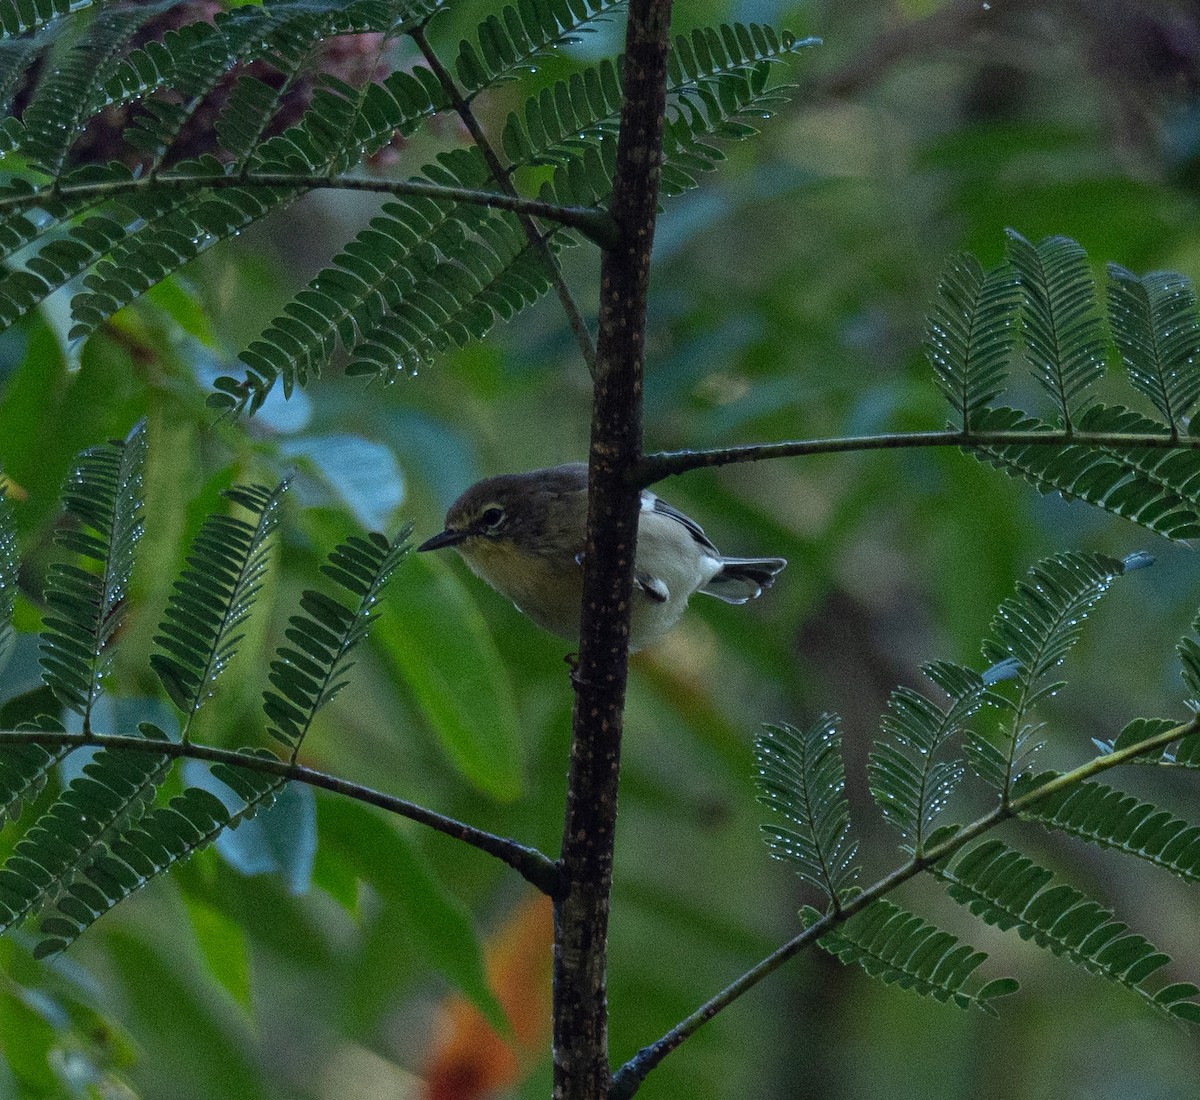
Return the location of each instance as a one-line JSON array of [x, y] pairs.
[[630, 1076], [580, 1023], [664, 464], [594, 224], [531, 864]]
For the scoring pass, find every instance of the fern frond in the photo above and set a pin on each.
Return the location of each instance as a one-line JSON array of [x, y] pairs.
[[1040, 623], [61, 254], [722, 93], [291, 43], [1155, 327], [103, 494], [179, 226], [71, 89], [174, 234], [310, 672], [1036, 628], [114, 791], [512, 41], [24, 768], [343, 124], [191, 61], [1060, 321], [428, 274], [195, 223], [801, 775], [716, 81], [970, 333], [17, 57], [160, 838], [901, 949], [212, 598], [492, 275], [1138, 730], [418, 245], [1112, 819], [909, 783], [563, 119], [1009, 891], [1157, 488], [9, 578], [19, 17]]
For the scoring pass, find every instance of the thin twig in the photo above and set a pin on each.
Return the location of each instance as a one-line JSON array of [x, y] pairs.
[[664, 464], [531, 864], [629, 1077]]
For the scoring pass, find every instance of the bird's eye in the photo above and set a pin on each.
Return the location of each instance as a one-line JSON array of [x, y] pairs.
[[492, 517]]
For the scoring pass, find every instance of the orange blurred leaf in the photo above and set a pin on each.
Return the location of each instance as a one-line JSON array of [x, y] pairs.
[[468, 1060]]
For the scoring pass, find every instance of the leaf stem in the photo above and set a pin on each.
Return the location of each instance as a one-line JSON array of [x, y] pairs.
[[532, 865], [629, 1077]]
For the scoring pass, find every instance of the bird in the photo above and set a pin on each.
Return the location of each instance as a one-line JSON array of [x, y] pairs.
[[524, 534]]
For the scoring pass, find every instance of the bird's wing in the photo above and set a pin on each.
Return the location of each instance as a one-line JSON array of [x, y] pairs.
[[652, 503]]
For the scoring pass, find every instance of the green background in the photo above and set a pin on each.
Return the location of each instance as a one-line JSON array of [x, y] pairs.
[[787, 302]]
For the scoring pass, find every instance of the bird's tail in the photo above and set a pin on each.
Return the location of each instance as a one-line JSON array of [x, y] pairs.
[[742, 579]]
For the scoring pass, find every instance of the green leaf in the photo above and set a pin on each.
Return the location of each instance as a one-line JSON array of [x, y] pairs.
[[908, 780], [970, 333], [1060, 320], [512, 41], [103, 499], [9, 579], [1112, 819], [439, 643], [308, 673], [1008, 890], [801, 775], [222, 942], [901, 949], [213, 597], [1036, 628], [24, 768], [114, 790], [1156, 329], [159, 839], [437, 921], [1138, 730], [1156, 487], [75, 68]]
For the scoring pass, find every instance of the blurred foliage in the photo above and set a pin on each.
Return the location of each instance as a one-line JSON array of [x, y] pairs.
[[787, 301]]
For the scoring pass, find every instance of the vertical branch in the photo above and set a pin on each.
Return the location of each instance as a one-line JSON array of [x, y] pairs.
[[581, 1069]]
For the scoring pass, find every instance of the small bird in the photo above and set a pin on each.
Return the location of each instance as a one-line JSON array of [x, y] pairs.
[[524, 534]]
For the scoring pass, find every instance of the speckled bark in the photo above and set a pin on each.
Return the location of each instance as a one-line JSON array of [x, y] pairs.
[[581, 1066]]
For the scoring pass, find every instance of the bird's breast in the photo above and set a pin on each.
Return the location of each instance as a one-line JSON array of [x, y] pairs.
[[549, 591]]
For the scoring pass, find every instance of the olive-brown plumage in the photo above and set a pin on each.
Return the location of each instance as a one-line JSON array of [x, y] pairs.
[[524, 534]]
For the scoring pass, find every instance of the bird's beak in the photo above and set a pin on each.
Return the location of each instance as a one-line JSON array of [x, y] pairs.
[[444, 538]]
